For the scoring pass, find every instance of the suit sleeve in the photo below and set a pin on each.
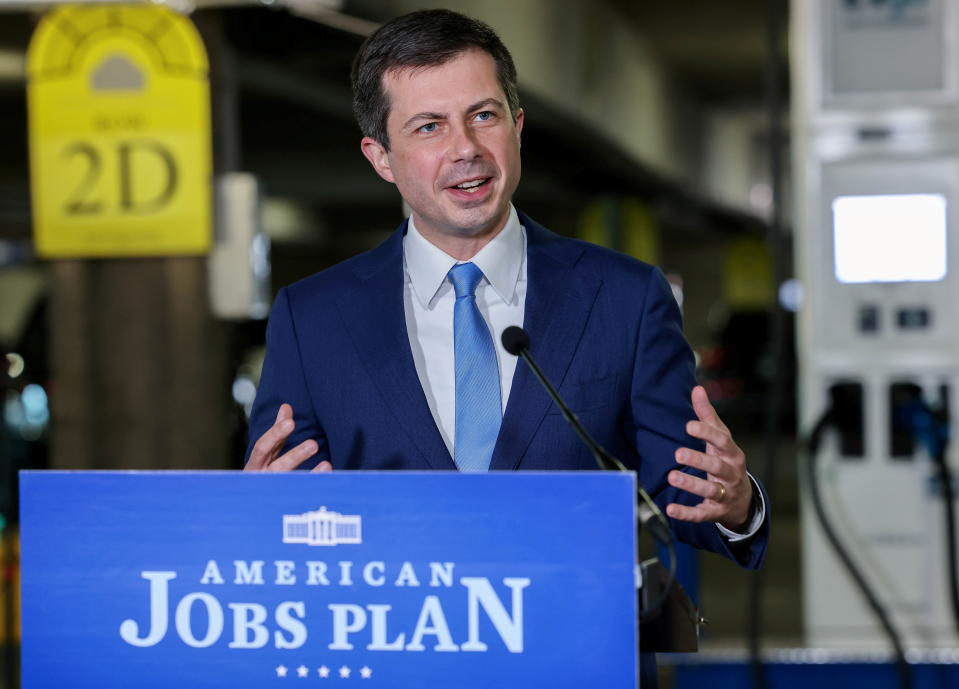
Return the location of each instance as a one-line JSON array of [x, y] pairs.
[[283, 380], [663, 379]]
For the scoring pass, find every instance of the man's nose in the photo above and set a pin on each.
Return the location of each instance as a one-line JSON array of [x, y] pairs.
[[464, 144]]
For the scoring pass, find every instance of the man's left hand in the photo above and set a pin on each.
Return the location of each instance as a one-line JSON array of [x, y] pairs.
[[727, 491]]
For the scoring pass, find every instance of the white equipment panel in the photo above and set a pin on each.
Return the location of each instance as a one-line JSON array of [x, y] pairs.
[[876, 167]]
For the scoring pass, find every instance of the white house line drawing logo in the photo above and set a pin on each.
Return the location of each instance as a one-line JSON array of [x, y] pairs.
[[322, 527]]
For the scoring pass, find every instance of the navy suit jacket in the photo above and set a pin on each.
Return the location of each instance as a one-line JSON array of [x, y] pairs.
[[604, 327]]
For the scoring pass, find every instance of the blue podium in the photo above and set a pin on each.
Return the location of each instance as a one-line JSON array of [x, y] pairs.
[[369, 580]]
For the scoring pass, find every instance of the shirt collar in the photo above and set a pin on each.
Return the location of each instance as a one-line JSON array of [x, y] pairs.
[[500, 260]]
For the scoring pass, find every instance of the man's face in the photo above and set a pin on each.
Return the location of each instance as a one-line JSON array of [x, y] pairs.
[[454, 148]]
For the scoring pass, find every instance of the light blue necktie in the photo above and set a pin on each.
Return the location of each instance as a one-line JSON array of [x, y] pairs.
[[478, 405]]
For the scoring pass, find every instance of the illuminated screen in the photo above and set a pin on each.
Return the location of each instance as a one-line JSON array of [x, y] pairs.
[[890, 238]]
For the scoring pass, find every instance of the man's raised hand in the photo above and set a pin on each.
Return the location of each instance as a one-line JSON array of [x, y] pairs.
[[266, 451], [727, 491]]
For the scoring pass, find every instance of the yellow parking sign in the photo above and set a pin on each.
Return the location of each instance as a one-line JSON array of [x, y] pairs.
[[119, 133]]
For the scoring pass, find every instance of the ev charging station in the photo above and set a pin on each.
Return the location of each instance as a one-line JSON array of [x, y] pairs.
[[875, 121]]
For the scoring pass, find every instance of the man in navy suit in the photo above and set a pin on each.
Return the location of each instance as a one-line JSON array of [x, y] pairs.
[[364, 367]]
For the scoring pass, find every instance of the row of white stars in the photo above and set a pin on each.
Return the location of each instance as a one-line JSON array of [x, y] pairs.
[[323, 671]]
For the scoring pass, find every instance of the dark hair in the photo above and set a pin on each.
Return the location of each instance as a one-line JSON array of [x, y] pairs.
[[427, 38]]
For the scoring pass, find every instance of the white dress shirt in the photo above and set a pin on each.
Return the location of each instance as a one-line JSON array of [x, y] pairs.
[[428, 297]]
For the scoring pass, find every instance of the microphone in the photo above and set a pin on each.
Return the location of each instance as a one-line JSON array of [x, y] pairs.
[[516, 341]]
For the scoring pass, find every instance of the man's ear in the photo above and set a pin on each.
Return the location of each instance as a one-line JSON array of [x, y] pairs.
[[520, 117], [378, 156]]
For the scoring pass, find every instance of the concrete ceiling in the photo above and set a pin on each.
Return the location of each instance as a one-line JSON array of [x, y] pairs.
[[296, 131], [716, 48]]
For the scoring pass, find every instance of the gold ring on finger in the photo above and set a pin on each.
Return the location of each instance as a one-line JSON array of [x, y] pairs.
[[722, 492]]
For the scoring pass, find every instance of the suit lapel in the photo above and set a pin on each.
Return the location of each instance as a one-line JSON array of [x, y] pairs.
[[558, 303], [374, 315]]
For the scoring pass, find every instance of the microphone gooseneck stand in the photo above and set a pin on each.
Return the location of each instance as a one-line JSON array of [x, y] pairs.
[[516, 341]]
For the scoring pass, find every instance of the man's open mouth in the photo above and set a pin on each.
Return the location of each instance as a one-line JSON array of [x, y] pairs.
[[472, 185]]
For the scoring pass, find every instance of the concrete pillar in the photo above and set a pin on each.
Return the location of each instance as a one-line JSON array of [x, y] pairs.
[[140, 367]]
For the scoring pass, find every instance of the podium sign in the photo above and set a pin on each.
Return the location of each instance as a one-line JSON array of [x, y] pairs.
[[412, 580]]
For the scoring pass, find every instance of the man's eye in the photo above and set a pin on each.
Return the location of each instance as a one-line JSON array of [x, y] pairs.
[[485, 115], [429, 127]]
